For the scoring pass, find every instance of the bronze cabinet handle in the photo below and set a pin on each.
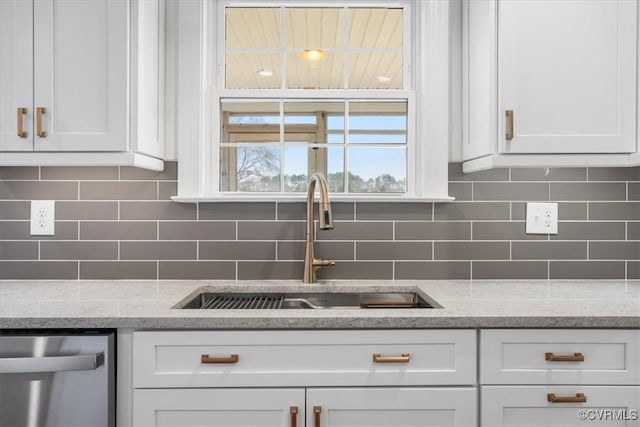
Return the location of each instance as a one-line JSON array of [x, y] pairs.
[[404, 358], [317, 411], [509, 124], [294, 416], [21, 113], [578, 398], [575, 357], [231, 359], [40, 111]]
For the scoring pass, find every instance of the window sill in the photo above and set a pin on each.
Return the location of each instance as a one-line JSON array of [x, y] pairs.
[[301, 198]]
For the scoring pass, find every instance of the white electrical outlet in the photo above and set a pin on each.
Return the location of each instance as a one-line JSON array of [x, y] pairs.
[[542, 218], [43, 216]]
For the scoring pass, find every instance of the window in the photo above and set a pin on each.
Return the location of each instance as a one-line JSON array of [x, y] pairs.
[[293, 88]]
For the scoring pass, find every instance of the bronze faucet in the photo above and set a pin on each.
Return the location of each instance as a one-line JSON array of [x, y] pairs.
[[311, 263]]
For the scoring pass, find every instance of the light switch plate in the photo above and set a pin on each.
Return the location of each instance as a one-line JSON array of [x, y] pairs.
[[542, 218], [43, 216]]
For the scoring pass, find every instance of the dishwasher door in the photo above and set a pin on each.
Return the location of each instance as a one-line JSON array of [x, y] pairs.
[[59, 379]]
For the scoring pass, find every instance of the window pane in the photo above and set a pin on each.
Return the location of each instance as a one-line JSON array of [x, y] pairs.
[[314, 28], [252, 27], [312, 117], [369, 70], [253, 70], [250, 121], [325, 73], [377, 170], [375, 28], [335, 170], [295, 169], [378, 122], [256, 168]]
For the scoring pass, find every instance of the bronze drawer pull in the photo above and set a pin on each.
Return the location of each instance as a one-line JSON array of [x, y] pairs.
[[575, 357], [233, 358], [40, 111], [294, 416], [21, 132], [317, 410], [509, 119], [578, 398], [404, 358]]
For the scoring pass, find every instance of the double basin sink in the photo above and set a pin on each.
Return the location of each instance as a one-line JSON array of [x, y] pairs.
[[307, 300]]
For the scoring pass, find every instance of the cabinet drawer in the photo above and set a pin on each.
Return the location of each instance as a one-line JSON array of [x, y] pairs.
[[559, 356], [529, 405], [303, 358]]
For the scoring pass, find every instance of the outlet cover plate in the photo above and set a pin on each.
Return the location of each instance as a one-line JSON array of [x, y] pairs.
[[542, 218], [43, 216]]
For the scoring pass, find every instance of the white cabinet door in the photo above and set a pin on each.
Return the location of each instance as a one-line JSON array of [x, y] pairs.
[[391, 407], [567, 70], [520, 406], [80, 74], [16, 74], [219, 407]]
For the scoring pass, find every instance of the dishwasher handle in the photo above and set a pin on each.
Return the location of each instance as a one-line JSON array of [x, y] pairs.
[[23, 365]]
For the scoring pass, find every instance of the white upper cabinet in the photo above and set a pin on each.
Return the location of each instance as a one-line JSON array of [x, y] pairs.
[[550, 78], [70, 82], [80, 75], [16, 75]]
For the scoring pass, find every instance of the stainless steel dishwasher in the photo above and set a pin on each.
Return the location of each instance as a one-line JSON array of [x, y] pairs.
[[57, 378]]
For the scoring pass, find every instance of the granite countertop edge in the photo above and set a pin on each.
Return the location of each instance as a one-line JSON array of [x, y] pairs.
[[129, 304]]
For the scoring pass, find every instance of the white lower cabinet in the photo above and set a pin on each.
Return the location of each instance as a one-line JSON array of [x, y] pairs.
[[559, 377], [391, 407], [259, 407], [541, 406], [391, 378], [325, 407]]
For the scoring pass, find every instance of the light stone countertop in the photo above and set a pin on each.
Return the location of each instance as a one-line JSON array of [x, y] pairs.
[[466, 304]]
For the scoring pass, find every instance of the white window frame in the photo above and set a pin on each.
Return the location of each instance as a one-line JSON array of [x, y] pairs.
[[200, 86]]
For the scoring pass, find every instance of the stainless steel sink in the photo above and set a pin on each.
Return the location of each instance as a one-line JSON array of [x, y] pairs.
[[303, 300]]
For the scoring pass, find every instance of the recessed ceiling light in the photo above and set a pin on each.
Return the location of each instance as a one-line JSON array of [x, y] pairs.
[[265, 73], [384, 79], [313, 54]]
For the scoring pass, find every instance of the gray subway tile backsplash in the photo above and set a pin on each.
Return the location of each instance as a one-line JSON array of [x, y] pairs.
[[552, 174], [160, 210], [16, 172], [38, 190], [75, 173], [587, 270], [118, 270], [433, 270], [570, 191], [295, 251], [292, 211], [159, 250], [120, 223], [548, 250], [377, 211], [244, 250], [10, 249], [509, 269], [196, 270], [121, 190], [614, 174], [78, 250], [529, 191], [35, 270], [393, 251], [85, 211], [14, 209], [118, 230]]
